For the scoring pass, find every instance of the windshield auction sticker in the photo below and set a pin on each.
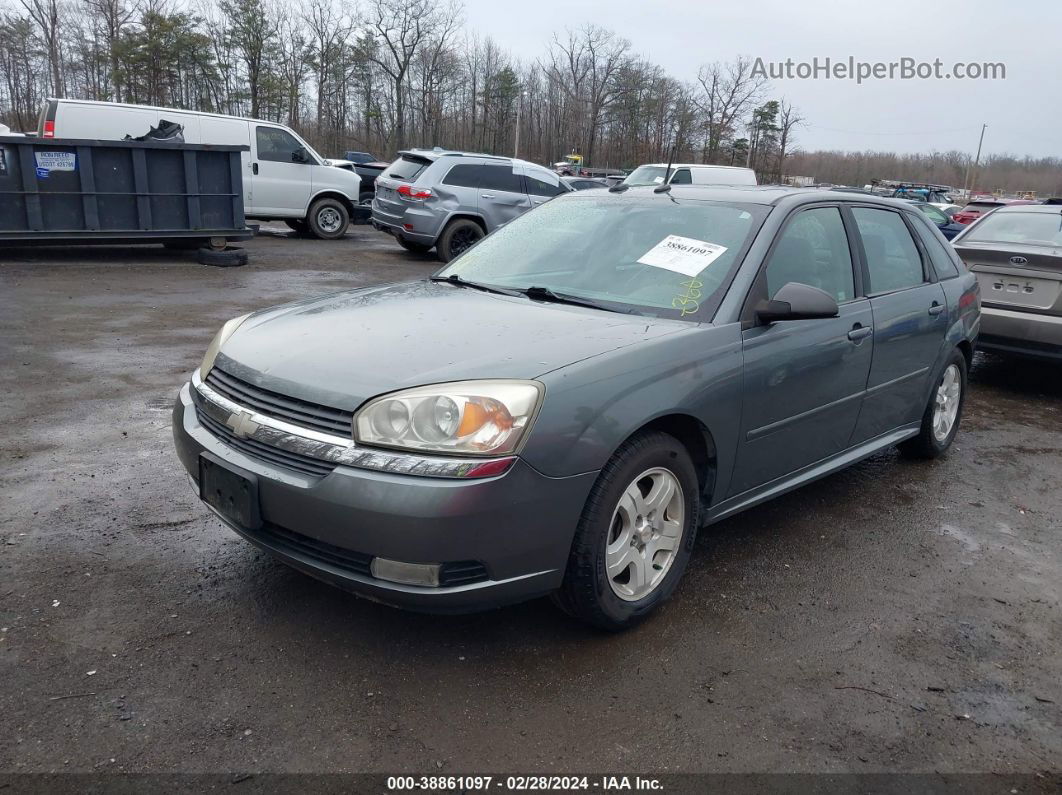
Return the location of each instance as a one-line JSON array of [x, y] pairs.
[[682, 255]]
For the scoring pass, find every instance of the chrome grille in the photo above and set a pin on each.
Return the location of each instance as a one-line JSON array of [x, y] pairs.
[[265, 452], [293, 410]]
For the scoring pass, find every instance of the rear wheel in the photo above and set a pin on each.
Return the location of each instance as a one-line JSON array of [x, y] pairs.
[[458, 237], [940, 421], [635, 535], [328, 219]]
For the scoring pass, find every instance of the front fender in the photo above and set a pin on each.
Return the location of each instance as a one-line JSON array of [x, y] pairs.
[[592, 406]]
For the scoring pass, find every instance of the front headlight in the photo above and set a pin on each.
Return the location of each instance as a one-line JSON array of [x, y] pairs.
[[215, 344], [464, 417]]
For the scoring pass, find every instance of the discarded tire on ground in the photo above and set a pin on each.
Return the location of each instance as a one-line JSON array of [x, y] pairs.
[[226, 258]]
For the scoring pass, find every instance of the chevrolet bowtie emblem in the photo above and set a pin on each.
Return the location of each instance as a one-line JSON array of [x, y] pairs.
[[241, 423]]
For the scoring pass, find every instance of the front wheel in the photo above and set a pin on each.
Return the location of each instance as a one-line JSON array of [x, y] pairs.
[[940, 421], [328, 219], [635, 535]]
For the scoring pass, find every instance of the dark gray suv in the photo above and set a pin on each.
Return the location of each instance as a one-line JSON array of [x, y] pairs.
[[565, 405], [450, 200]]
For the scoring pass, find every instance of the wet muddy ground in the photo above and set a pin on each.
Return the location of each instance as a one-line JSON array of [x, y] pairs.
[[896, 617]]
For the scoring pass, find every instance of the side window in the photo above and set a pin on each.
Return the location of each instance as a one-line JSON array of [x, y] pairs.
[[538, 187], [463, 175], [681, 177], [893, 260], [275, 145], [813, 249], [501, 178], [942, 261], [933, 214]]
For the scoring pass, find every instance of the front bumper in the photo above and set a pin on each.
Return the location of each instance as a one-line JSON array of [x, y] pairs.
[[519, 525], [1026, 333]]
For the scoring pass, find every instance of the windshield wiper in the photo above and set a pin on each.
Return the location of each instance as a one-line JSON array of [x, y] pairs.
[[453, 278], [546, 294]]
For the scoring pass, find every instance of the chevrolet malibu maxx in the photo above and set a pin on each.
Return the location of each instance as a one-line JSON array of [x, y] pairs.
[[561, 408]]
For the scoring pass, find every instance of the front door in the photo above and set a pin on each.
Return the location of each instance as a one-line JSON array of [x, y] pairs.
[[910, 323], [803, 379], [282, 186]]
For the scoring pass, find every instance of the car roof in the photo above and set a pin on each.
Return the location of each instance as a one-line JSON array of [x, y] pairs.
[[435, 154], [693, 165], [763, 194], [1051, 209]]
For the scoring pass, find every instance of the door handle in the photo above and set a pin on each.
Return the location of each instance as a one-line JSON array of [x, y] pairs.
[[486, 195], [254, 168], [859, 332], [936, 309]]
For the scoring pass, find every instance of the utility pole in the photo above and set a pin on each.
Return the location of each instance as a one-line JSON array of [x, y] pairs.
[[966, 186], [516, 142]]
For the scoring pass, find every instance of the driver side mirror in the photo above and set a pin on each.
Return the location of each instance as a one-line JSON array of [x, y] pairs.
[[300, 155], [796, 301]]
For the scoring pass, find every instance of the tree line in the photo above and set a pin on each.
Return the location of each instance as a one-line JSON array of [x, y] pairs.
[[386, 74], [382, 75]]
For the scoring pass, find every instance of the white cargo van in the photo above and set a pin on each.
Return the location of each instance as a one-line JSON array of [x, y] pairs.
[[284, 179], [690, 174]]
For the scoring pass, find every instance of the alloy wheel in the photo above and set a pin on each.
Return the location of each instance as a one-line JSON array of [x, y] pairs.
[[645, 534], [946, 403]]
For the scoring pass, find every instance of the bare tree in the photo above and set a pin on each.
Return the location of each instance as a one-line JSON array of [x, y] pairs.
[[400, 28], [111, 16], [45, 15], [788, 119], [252, 32], [729, 90]]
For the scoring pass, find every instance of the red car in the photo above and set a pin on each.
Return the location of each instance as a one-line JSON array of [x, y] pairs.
[[975, 209]]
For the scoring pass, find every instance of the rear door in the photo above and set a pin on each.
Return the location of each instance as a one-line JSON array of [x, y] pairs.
[[501, 194], [910, 321], [281, 185]]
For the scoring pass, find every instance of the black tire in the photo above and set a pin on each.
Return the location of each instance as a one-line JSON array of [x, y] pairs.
[[416, 248], [457, 237], [927, 444], [297, 225], [587, 592], [227, 258], [328, 219]]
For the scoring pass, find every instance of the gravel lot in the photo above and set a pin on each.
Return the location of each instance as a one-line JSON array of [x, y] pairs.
[[896, 617]]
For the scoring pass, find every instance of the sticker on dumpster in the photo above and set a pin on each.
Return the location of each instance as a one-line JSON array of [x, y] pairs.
[[55, 161], [42, 173], [3, 162]]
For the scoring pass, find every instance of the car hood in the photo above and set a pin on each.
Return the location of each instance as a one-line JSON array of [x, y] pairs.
[[341, 349]]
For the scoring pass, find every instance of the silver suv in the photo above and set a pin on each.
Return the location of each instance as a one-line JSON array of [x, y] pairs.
[[450, 200]]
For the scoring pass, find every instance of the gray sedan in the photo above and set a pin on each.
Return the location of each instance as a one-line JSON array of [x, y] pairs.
[[562, 408], [1016, 254]]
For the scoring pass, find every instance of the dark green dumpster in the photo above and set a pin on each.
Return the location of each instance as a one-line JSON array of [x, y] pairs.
[[56, 191]]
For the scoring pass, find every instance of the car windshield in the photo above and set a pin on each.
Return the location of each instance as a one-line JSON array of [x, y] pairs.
[[655, 255], [1033, 228], [646, 175]]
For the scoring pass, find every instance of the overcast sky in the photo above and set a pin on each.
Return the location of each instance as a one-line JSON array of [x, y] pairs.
[[1023, 112]]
